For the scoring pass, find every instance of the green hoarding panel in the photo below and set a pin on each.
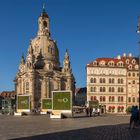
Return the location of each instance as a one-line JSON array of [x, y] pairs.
[[23, 102], [46, 103], [94, 104], [62, 101]]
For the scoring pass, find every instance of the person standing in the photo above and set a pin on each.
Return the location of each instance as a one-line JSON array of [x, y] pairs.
[[87, 111], [98, 111], [90, 111]]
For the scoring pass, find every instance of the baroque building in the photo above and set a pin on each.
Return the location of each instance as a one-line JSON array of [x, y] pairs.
[[114, 82], [40, 73]]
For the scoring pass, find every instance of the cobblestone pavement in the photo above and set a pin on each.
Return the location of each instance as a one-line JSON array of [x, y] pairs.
[[110, 127]]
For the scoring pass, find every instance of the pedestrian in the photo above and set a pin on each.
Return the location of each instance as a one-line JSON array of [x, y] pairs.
[[94, 111], [134, 117], [98, 111], [87, 111], [90, 111]]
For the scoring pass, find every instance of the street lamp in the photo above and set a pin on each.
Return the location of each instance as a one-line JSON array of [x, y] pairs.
[[138, 32]]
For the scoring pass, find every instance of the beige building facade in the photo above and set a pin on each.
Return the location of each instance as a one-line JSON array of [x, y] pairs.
[[40, 73], [114, 82]]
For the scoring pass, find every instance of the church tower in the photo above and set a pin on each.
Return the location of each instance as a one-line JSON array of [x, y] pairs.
[[40, 73]]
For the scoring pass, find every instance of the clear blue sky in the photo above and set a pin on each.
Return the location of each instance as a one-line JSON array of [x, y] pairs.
[[87, 28]]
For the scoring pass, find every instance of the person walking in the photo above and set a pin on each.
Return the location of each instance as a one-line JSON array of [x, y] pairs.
[[134, 117], [87, 111]]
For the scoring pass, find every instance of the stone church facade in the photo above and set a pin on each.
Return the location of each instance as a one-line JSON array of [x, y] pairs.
[[40, 73]]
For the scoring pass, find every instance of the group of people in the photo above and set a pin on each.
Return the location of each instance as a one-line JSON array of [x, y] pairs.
[[91, 111], [134, 119]]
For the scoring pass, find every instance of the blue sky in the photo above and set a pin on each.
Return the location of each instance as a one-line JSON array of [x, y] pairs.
[[87, 28]]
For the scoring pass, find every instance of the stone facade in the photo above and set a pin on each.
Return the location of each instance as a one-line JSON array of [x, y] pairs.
[[40, 73], [114, 82]]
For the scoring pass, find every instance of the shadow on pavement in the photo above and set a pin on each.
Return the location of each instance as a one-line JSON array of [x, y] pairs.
[[108, 132]]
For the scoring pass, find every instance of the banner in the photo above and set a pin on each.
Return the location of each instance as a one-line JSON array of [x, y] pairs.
[[46, 103], [94, 104], [62, 100], [23, 102]]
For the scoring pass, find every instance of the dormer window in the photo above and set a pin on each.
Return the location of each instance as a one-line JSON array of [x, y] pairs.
[[102, 63], [133, 61], [111, 63], [120, 64], [95, 63], [136, 67], [127, 61], [130, 67]]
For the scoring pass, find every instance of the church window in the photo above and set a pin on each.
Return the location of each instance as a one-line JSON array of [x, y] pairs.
[[133, 99], [129, 74], [119, 81], [45, 24], [27, 87], [133, 81], [129, 99]]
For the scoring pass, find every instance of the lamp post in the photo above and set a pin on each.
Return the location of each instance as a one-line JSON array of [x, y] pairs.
[[138, 32]]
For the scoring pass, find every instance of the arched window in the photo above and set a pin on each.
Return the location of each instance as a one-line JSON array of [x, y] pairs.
[[119, 99], [94, 97], [104, 90], [103, 80], [112, 80], [91, 98], [91, 89], [122, 81], [119, 81], [109, 80], [94, 89], [101, 99], [129, 99], [119, 90], [91, 80], [129, 74], [112, 98], [101, 89], [109, 98], [94, 80], [109, 89], [133, 99], [113, 89], [27, 87], [45, 24], [133, 81], [122, 99]]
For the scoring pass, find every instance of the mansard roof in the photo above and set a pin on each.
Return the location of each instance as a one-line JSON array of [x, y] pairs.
[[127, 61]]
